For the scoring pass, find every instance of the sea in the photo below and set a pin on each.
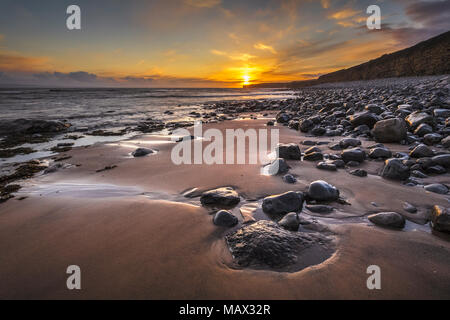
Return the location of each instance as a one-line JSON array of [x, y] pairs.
[[114, 108]]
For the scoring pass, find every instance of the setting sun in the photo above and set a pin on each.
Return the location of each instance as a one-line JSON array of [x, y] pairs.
[[246, 79]]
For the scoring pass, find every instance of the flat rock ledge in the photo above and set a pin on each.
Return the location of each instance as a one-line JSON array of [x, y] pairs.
[[266, 245]]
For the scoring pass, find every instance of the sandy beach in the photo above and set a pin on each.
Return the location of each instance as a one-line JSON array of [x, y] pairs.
[[135, 236]]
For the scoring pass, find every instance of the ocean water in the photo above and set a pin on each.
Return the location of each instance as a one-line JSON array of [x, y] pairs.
[[111, 109], [118, 108]]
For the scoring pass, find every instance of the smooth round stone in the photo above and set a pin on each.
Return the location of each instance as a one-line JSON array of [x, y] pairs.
[[289, 178], [326, 166], [225, 218], [359, 173], [436, 188], [408, 207], [388, 219], [290, 221], [319, 208], [322, 191], [141, 152], [283, 203]]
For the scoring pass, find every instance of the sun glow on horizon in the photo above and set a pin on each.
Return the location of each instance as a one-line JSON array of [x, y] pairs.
[[246, 79]]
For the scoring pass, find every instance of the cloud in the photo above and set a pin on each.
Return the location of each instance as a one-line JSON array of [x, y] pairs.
[[239, 56], [343, 14], [325, 3], [203, 3], [10, 61], [261, 46]]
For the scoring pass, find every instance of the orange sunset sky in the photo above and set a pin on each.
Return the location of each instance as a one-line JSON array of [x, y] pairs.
[[202, 43]]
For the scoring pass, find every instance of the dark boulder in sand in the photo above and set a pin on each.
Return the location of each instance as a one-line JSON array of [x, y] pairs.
[[395, 169], [290, 221], [442, 160], [319, 208], [222, 196], [349, 142], [359, 173], [432, 138], [390, 130], [380, 153], [289, 151], [283, 203], [423, 129], [355, 154], [440, 218], [408, 207], [306, 125], [366, 118], [266, 244], [322, 191], [313, 156], [30, 126], [446, 142], [421, 151], [141, 152], [437, 188], [326, 165], [289, 178], [417, 118], [225, 218], [388, 219]]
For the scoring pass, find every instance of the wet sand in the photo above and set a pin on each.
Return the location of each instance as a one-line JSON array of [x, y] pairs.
[[135, 236]]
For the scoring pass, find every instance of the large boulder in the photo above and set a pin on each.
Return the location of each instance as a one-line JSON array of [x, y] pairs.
[[283, 203], [355, 154], [437, 188], [264, 244], [388, 219], [322, 191], [395, 169], [421, 151], [390, 130], [222, 196], [289, 151], [225, 218], [380, 152], [141, 152], [440, 218], [366, 118], [442, 160], [417, 118], [349, 142]]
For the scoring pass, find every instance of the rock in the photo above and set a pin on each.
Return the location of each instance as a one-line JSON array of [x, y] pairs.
[[421, 151], [355, 154], [395, 169], [222, 196], [289, 151], [417, 118], [306, 125], [319, 208], [225, 218], [436, 188], [409, 207], [359, 173], [374, 108], [318, 131], [325, 165], [423, 129], [289, 178], [446, 142], [313, 156], [290, 221], [349, 142], [442, 160], [283, 118], [440, 218], [380, 153], [265, 244], [432, 138], [388, 219], [390, 130], [366, 118], [442, 113], [141, 152], [278, 166], [283, 203], [322, 191]]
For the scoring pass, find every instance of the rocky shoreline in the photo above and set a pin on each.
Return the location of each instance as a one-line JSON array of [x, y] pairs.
[[348, 158]]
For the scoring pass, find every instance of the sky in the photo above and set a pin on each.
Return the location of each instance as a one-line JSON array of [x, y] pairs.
[[202, 43]]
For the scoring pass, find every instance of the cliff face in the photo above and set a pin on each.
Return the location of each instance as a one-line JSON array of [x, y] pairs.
[[430, 57]]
